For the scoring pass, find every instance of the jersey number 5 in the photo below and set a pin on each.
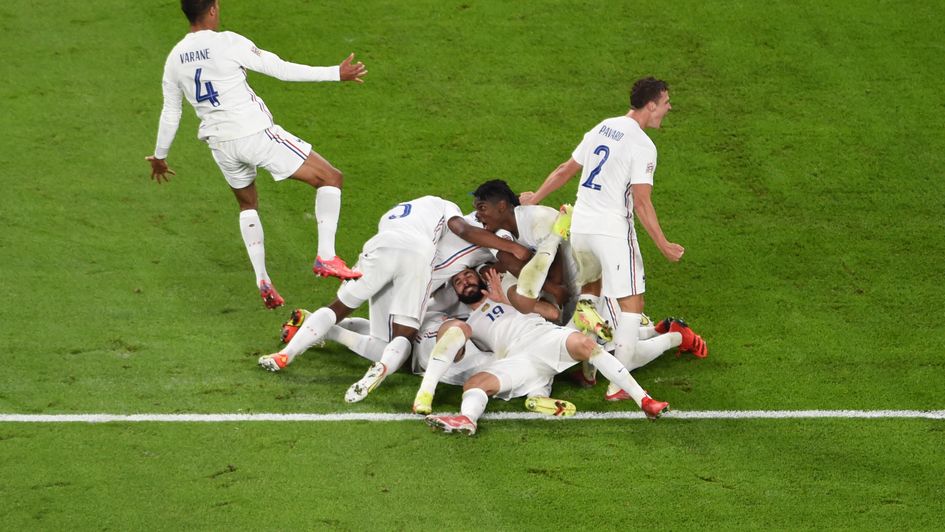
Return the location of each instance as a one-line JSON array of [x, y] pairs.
[[210, 95], [589, 183]]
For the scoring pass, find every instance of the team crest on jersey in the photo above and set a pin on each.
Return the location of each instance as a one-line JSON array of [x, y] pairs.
[[485, 307], [650, 167]]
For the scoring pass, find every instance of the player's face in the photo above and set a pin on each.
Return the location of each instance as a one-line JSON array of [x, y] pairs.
[[662, 107], [468, 286], [489, 215]]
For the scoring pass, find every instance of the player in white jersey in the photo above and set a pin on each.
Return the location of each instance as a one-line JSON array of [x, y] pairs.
[[396, 264], [529, 352], [618, 161], [209, 69], [532, 226]]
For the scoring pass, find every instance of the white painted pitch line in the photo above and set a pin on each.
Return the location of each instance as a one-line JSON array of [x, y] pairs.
[[694, 414]]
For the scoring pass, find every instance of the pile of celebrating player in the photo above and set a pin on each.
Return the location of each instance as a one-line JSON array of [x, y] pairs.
[[499, 301]]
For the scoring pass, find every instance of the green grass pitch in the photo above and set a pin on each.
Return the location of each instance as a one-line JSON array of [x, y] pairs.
[[801, 167]]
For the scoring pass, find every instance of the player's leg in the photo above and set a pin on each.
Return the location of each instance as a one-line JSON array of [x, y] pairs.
[[395, 353], [533, 274], [581, 348], [476, 393], [622, 279], [285, 155], [647, 351], [313, 329], [405, 298], [241, 178], [451, 339]]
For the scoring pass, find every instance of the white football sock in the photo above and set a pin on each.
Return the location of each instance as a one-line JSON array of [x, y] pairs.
[[625, 338], [327, 210], [363, 345], [474, 404], [649, 350], [395, 354], [312, 330], [647, 332], [533, 274], [618, 374], [441, 358], [358, 325], [252, 231]]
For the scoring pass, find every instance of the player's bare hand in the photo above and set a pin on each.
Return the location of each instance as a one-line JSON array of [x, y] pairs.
[[159, 169], [494, 286], [672, 251], [528, 198], [352, 71]]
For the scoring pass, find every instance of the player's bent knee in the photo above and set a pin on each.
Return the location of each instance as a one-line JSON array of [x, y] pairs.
[[486, 382], [580, 347]]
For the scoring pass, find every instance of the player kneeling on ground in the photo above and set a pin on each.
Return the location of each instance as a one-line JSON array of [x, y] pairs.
[[530, 353]]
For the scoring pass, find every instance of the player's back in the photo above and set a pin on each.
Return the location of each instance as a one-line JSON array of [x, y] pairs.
[[208, 68], [614, 154], [417, 223]]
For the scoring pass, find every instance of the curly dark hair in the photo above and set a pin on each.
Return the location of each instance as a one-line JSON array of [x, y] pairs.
[[646, 90], [496, 190]]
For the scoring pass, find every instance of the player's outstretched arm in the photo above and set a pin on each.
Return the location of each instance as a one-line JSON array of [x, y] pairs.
[[553, 182], [487, 239], [643, 208], [159, 169], [351, 71]]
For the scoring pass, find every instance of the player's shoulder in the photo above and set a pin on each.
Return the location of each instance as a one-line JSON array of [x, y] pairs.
[[535, 212], [636, 134]]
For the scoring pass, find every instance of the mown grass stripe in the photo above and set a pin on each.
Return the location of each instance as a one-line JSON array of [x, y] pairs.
[[365, 416]]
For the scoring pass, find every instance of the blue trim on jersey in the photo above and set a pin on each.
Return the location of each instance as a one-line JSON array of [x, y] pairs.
[[456, 256]]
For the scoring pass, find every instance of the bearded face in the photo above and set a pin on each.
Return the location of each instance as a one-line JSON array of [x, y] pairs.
[[468, 286]]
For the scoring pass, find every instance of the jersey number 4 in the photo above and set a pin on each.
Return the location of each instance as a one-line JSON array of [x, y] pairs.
[[210, 95], [589, 182]]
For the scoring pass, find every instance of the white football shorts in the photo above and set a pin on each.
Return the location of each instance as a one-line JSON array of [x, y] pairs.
[[281, 153], [395, 281], [618, 261], [532, 364]]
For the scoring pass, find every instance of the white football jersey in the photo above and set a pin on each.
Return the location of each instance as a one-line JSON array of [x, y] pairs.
[[534, 224], [418, 222], [209, 69], [615, 154], [453, 255], [497, 327]]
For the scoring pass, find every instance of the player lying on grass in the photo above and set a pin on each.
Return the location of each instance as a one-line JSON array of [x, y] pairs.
[[397, 279], [209, 69], [396, 271], [529, 352]]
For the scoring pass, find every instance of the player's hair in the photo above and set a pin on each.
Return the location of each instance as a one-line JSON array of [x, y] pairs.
[[646, 90], [194, 9], [494, 191]]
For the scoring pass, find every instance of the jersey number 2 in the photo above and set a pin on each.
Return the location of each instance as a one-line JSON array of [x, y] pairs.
[[210, 95], [589, 183]]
